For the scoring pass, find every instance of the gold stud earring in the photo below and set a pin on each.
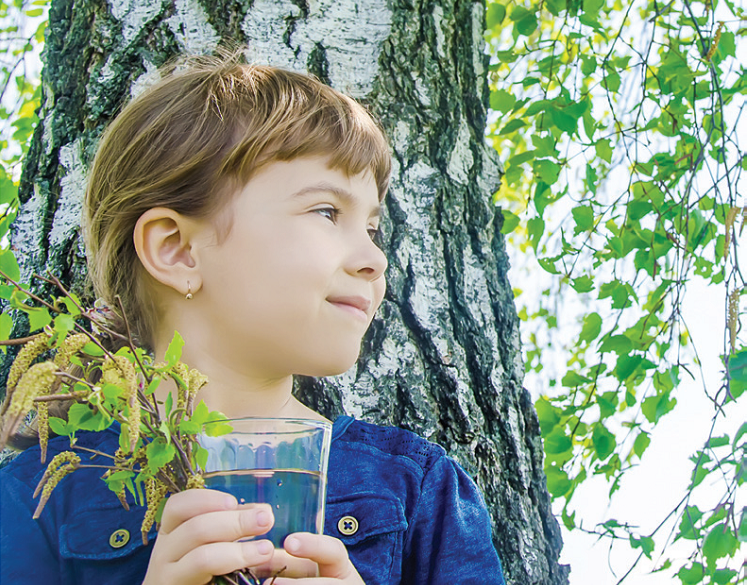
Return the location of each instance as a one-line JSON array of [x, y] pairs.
[[188, 296]]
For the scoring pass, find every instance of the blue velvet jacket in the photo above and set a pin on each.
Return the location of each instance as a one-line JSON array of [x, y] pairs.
[[420, 518]]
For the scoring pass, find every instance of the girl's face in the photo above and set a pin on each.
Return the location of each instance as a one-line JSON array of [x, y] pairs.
[[294, 285]]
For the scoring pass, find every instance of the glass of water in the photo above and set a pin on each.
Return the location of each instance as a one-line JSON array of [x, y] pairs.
[[280, 462]]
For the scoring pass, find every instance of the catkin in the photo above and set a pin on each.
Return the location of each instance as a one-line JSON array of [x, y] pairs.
[[70, 347], [42, 423], [714, 44], [61, 465], [37, 381], [155, 491], [182, 371], [121, 372], [195, 481], [33, 349]]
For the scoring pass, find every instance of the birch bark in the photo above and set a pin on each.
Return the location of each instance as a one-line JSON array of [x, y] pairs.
[[443, 356]]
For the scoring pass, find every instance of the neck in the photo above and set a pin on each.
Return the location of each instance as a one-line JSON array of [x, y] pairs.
[[239, 393]]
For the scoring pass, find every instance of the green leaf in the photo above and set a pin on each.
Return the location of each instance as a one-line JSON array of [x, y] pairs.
[[548, 415], [59, 426], [159, 452], [502, 100], [620, 344], [9, 265], [174, 351], [592, 327], [742, 529], [39, 318], [720, 542], [739, 434], [574, 379], [81, 417], [546, 170], [558, 483], [645, 543], [111, 392], [557, 442], [217, 424], [512, 126], [654, 407], [714, 442], [603, 149], [92, 349], [200, 456], [510, 221], [201, 414], [524, 20], [189, 427], [583, 284], [535, 229], [693, 575], [494, 15], [627, 365], [641, 443], [604, 442], [687, 528], [6, 325], [63, 324], [723, 576], [583, 215]]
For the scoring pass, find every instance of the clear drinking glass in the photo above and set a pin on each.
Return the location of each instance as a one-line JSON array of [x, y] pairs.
[[280, 462]]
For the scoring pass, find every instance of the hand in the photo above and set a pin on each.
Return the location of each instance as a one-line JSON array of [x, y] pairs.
[[328, 553], [198, 534]]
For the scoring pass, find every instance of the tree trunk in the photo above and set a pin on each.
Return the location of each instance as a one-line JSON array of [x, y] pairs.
[[443, 356]]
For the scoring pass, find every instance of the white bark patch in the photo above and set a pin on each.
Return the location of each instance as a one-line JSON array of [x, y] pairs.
[[438, 19], [72, 191], [478, 45], [191, 28], [461, 160], [351, 34], [151, 76], [477, 297], [28, 233], [134, 15]]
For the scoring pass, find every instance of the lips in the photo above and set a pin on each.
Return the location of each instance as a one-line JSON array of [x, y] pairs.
[[358, 306]]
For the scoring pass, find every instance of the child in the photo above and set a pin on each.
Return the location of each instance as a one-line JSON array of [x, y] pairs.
[[238, 205]]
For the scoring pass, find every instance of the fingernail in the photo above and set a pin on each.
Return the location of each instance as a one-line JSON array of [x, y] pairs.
[[264, 547], [230, 503], [263, 518], [291, 544]]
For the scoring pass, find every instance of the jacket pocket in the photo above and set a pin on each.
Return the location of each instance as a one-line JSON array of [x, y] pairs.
[[371, 526], [102, 534]]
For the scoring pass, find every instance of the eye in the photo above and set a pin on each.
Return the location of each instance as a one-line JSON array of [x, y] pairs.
[[375, 234], [331, 213]]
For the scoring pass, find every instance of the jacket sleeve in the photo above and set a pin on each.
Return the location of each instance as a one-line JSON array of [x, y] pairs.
[[448, 540], [25, 552]]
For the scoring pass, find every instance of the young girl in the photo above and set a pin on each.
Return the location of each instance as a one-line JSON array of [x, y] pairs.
[[238, 205]]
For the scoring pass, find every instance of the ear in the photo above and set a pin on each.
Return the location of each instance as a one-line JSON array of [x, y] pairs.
[[165, 243]]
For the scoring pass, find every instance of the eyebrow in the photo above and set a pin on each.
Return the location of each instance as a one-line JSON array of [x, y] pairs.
[[341, 194]]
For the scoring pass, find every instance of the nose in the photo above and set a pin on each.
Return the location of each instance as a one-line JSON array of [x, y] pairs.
[[368, 260]]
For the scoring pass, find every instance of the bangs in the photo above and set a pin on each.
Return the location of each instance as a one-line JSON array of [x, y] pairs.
[[290, 115]]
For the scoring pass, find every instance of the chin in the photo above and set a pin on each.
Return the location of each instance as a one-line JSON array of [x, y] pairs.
[[330, 368]]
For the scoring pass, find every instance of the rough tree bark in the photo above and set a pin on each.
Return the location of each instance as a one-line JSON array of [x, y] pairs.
[[442, 357]]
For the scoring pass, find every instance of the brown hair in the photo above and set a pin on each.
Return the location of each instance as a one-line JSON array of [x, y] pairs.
[[192, 140]]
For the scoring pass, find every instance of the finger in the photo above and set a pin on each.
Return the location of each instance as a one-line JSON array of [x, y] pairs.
[[225, 526], [221, 558], [327, 552], [187, 504]]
